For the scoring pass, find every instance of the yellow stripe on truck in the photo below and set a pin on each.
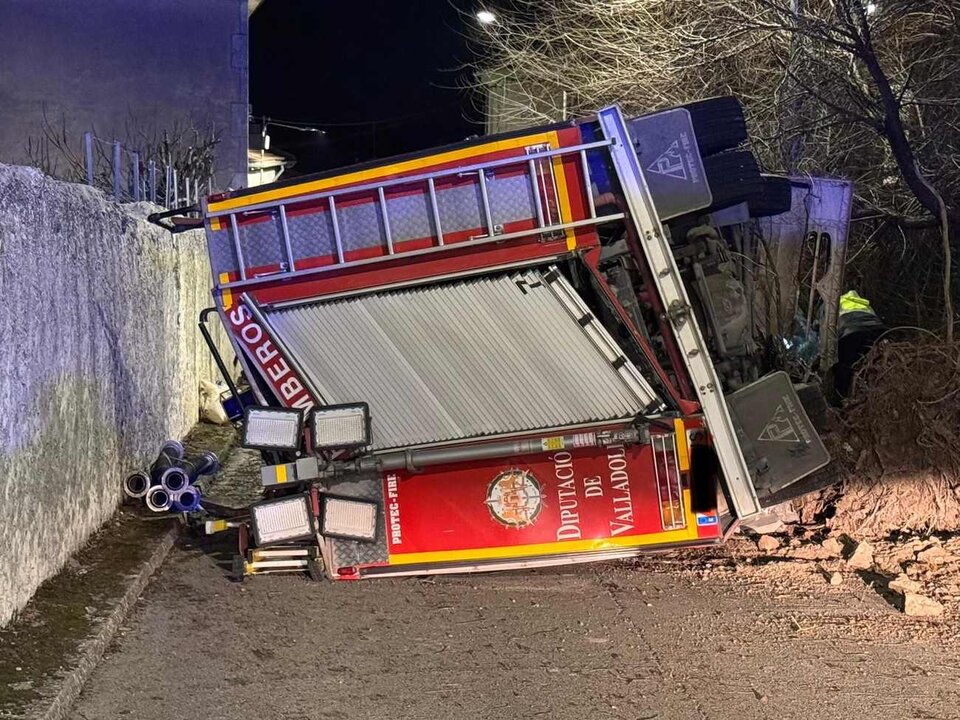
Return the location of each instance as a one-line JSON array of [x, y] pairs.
[[683, 450], [556, 548], [377, 173], [226, 296], [566, 212]]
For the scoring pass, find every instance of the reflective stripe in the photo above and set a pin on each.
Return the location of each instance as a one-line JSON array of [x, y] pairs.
[[226, 296], [852, 302], [683, 452]]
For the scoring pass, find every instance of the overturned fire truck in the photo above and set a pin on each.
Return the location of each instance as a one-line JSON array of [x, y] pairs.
[[523, 350]]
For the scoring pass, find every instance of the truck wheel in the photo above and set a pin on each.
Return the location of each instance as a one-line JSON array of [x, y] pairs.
[[734, 177], [776, 197], [718, 123]]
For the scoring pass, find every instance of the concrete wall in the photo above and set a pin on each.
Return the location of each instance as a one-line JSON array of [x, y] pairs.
[[97, 64], [100, 360]]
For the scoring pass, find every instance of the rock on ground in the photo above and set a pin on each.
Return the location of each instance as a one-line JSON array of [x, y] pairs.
[[832, 547], [767, 543], [916, 605], [903, 584], [935, 555], [862, 557]]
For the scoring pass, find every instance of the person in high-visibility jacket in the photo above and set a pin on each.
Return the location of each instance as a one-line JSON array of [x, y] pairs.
[[858, 328]]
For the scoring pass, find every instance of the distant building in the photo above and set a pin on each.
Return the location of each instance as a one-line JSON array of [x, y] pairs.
[[265, 167], [122, 67]]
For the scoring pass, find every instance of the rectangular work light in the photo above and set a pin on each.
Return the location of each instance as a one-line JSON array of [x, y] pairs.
[[272, 428], [284, 520], [349, 518], [341, 426]]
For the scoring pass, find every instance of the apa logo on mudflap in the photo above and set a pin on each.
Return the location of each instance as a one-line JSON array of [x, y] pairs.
[[670, 163], [515, 498]]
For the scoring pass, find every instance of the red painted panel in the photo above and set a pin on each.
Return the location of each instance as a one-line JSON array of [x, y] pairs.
[[586, 494]]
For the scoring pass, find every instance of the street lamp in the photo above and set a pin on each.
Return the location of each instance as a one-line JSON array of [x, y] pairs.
[[486, 17]]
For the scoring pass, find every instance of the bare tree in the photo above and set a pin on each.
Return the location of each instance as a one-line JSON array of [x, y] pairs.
[[848, 87]]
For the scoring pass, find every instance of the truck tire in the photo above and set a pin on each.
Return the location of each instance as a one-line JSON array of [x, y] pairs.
[[815, 405], [719, 124], [775, 198], [734, 177]]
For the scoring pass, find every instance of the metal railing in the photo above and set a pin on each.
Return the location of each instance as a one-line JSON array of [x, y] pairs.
[[135, 177]]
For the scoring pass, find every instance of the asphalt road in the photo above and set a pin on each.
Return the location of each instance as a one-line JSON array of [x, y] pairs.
[[673, 637]]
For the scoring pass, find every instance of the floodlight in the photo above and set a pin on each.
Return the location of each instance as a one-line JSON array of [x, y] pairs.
[[341, 426], [272, 428], [350, 518], [284, 520]]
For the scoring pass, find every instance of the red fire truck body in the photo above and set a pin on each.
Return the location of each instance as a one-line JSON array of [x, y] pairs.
[[493, 357]]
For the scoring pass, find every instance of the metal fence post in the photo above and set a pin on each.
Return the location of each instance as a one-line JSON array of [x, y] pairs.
[[176, 189], [152, 179], [196, 190], [136, 175], [186, 189], [117, 170], [167, 176], [88, 156]]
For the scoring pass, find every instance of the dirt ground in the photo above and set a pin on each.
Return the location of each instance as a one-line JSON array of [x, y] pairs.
[[723, 634]]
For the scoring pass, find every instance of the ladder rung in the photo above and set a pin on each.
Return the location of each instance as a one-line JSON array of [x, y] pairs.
[[332, 204], [436, 210], [286, 238], [386, 220], [588, 188], [535, 182], [485, 199], [236, 245]]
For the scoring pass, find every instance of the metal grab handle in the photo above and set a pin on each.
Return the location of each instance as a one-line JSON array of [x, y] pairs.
[[186, 223], [204, 314]]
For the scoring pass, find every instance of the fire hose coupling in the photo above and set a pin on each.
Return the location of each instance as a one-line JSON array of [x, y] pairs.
[[137, 484], [186, 471], [187, 500], [168, 485], [158, 499]]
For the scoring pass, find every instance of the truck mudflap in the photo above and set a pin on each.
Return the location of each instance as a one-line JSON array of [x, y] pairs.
[[770, 465], [566, 506], [779, 443]]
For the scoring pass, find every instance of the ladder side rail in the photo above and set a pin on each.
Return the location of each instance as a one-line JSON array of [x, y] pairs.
[[666, 276], [410, 179]]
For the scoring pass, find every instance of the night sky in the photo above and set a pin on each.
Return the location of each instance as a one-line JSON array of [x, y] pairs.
[[379, 76]]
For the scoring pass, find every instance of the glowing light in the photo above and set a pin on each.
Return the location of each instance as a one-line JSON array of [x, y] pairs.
[[486, 17]]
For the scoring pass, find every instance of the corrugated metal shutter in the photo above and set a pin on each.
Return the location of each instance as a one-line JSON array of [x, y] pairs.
[[459, 360]]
